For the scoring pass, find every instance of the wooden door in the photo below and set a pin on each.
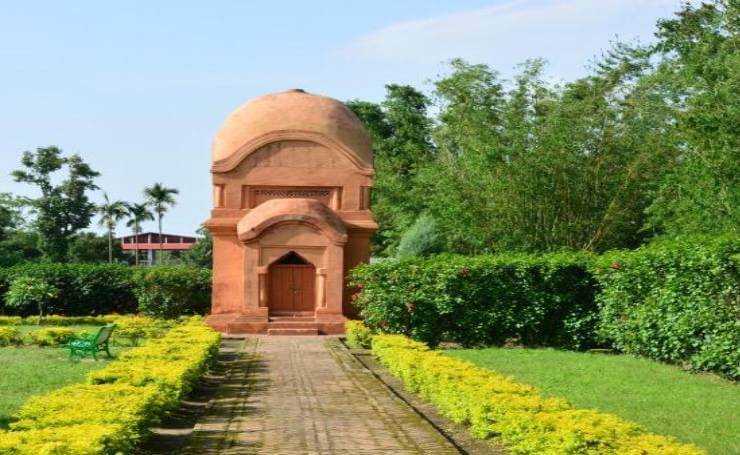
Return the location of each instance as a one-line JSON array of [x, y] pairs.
[[291, 288]]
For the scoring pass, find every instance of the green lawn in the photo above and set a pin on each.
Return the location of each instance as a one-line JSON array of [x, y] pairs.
[[701, 409], [31, 370]]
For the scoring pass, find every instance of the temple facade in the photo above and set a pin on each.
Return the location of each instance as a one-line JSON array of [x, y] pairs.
[[292, 174]]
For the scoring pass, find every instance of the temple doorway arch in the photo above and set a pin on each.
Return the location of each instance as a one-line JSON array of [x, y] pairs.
[[291, 286]]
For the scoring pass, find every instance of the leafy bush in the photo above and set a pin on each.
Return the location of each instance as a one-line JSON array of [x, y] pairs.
[[675, 301], [99, 289], [54, 336], [358, 335], [115, 409], [483, 300], [496, 407], [169, 292], [26, 291], [10, 337], [11, 320], [84, 289], [422, 239]]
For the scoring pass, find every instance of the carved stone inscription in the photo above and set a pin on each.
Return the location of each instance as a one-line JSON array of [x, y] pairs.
[[254, 196]]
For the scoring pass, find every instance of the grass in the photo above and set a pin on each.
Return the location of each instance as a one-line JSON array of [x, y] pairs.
[[701, 409], [32, 370]]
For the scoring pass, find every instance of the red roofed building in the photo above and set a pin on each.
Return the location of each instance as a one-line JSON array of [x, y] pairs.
[[146, 243]]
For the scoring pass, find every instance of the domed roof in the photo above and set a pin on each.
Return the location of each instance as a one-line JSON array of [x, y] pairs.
[[293, 114]]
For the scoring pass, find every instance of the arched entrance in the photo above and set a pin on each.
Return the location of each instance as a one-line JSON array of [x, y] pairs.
[[291, 286]]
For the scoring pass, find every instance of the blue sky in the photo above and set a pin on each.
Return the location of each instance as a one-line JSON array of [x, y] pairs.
[[140, 88]]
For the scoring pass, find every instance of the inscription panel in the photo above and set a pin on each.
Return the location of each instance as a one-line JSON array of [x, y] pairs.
[[253, 196]]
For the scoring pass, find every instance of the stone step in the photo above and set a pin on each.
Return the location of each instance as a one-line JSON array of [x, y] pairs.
[[292, 319], [304, 331], [292, 325]]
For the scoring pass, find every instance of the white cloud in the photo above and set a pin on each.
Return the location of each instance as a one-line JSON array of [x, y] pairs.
[[565, 32]]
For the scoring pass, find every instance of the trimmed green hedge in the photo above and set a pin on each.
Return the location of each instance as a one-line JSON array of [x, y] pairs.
[[675, 301], [84, 289], [94, 289], [483, 300]]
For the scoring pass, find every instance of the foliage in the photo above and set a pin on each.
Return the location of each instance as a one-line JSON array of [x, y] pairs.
[[19, 246], [115, 409], [138, 213], [53, 336], [10, 216], [110, 214], [63, 209], [675, 301], [516, 414], [84, 289], [29, 291], [700, 61], [422, 239], [401, 131], [10, 336], [95, 289], [700, 409], [358, 335], [87, 247], [645, 145], [169, 292], [160, 198], [535, 300], [201, 255]]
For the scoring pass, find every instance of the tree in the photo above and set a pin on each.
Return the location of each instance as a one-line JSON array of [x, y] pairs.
[[422, 239], [9, 214], [30, 291], [160, 198], [88, 247], [63, 209], [700, 62], [110, 214], [138, 213], [201, 255], [400, 128]]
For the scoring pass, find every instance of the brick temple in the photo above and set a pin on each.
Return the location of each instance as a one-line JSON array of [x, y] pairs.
[[292, 174]]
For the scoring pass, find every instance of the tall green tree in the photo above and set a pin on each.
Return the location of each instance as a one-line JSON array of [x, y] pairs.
[[137, 214], [64, 208], [160, 198], [110, 214], [401, 131], [201, 255], [10, 216], [699, 50]]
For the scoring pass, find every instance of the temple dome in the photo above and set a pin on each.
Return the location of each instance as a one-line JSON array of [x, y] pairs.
[[293, 114]]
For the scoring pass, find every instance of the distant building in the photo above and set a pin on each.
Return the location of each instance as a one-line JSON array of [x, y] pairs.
[[146, 243]]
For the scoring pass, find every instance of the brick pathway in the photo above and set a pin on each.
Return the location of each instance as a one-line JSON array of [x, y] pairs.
[[306, 395]]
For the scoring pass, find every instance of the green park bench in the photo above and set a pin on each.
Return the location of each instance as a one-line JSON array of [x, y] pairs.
[[91, 344]]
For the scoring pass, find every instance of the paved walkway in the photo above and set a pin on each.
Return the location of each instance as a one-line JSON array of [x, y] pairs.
[[307, 395]]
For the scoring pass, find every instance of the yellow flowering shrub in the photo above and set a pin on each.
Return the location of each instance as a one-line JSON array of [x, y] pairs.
[[52, 336], [11, 320], [358, 335], [10, 336], [494, 406], [120, 402], [85, 439]]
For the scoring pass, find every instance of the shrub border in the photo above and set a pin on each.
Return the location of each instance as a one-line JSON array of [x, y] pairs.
[[494, 406], [119, 403]]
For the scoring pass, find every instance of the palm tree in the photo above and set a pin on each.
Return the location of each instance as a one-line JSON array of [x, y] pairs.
[[160, 198], [138, 213], [110, 214]]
